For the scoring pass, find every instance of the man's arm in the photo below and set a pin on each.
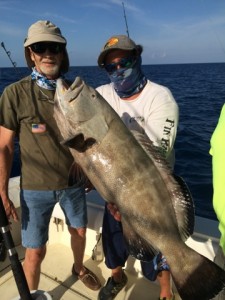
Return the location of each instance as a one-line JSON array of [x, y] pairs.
[[6, 158], [162, 123]]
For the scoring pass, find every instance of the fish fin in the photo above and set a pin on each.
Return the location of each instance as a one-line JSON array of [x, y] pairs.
[[181, 197], [78, 142], [77, 176], [137, 247], [184, 209], [200, 278]]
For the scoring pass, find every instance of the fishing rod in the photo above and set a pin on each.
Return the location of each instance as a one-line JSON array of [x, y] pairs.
[[8, 54], [125, 18], [16, 266]]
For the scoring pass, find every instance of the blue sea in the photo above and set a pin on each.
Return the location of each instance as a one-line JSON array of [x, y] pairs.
[[199, 90]]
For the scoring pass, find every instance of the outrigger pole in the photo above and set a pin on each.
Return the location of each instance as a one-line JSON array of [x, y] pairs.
[[9, 55], [125, 19]]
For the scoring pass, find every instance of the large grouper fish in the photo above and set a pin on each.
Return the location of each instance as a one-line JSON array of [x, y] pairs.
[[126, 169]]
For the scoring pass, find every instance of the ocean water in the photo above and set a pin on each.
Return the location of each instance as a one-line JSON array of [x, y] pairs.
[[199, 90]]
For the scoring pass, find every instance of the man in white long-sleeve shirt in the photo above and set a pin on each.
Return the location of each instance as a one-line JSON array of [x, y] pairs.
[[150, 109]]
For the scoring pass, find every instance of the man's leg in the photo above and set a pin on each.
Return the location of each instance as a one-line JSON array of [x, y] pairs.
[[73, 203], [32, 266], [164, 279], [37, 207], [116, 255], [113, 242], [158, 269], [117, 274], [78, 242]]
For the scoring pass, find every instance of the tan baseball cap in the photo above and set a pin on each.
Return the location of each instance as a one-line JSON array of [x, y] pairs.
[[45, 31], [117, 42]]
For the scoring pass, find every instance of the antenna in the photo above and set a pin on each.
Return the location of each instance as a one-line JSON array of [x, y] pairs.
[[125, 19], [9, 55]]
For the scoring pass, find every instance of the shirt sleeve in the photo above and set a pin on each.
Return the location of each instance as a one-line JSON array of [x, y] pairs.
[[162, 122], [8, 115]]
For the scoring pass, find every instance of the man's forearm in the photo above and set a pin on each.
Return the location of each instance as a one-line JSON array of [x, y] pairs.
[[6, 158]]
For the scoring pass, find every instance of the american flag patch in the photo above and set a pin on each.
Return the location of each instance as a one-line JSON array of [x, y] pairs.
[[38, 128]]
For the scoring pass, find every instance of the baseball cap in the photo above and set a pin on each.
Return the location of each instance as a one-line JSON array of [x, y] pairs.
[[45, 31], [117, 42]]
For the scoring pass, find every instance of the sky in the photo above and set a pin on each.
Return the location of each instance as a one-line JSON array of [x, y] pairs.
[[170, 31]]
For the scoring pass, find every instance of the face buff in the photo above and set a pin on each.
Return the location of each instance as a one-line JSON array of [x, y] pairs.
[[128, 81], [43, 81]]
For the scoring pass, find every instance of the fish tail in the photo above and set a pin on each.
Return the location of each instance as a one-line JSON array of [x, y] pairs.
[[199, 278]]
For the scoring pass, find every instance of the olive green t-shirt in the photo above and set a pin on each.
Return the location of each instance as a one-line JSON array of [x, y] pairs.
[[28, 109]]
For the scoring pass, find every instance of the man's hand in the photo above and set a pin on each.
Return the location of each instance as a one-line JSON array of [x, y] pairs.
[[113, 209], [10, 210]]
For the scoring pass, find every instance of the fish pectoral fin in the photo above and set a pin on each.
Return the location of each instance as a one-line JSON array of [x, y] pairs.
[[184, 208], [137, 247], [79, 143]]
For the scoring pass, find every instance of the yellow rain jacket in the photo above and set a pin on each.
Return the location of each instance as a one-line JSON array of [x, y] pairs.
[[218, 170]]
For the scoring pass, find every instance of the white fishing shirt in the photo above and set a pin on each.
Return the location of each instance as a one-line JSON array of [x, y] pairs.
[[154, 112]]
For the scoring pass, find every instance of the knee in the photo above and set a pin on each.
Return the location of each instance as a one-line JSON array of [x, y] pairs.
[[77, 232], [35, 256]]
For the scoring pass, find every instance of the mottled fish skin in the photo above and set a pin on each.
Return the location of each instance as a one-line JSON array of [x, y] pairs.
[[123, 173]]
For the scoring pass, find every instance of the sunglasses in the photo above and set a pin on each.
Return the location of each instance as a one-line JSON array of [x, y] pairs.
[[125, 62], [41, 47]]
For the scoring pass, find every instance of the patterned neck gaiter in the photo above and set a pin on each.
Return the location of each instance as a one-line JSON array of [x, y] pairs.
[[43, 81], [128, 81]]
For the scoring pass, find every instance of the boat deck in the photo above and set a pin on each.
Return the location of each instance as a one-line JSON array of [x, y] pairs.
[[56, 277], [57, 280]]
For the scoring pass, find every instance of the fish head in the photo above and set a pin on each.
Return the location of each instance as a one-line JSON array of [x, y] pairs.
[[78, 113], [72, 101]]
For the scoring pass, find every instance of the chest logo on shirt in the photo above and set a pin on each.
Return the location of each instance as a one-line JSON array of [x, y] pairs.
[[139, 119], [135, 123], [38, 128]]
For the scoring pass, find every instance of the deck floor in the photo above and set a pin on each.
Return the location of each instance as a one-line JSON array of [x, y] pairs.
[[56, 277], [57, 280]]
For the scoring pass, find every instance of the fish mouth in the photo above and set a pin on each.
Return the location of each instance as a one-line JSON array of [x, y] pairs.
[[72, 102]]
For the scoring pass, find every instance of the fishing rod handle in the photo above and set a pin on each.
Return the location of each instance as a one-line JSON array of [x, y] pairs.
[[5, 230], [3, 218], [16, 266], [20, 278]]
